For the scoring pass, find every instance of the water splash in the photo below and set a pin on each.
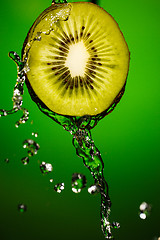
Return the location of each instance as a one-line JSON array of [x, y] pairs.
[[116, 225], [93, 189], [78, 182], [6, 160], [145, 210], [32, 147], [18, 91], [46, 167], [51, 24], [24, 118], [78, 127], [35, 134], [22, 208], [59, 1], [25, 160], [59, 187]]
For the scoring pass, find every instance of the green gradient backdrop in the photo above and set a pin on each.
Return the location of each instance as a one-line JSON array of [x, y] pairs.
[[128, 140]]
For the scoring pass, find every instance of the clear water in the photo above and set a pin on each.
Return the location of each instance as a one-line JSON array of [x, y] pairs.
[[46, 168], [22, 208], [35, 134], [93, 189], [6, 160], [25, 160], [59, 187], [78, 127], [79, 182], [144, 210], [32, 147], [18, 91]]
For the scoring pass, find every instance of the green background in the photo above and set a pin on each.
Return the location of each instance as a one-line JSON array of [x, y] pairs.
[[128, 140]]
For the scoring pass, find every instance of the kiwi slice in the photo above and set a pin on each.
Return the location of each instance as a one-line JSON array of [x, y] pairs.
[[77, 58]]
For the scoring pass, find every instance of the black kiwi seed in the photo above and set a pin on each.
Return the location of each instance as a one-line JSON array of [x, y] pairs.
[[63, 49], [71, 85], [76, 82], [65, 81], [55, 68], [76, 33], [71, 37], [81, 81]]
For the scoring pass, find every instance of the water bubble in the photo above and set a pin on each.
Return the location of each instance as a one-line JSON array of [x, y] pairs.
[[35, 134], [46, 167], [59, 187], [25, 160], [145, 210], [6, 160], [78, 182], [93, 189], [32, 146], [116, 225], [22, 208]]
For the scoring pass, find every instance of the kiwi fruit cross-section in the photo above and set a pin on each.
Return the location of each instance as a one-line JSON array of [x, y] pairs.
[[77, 59]]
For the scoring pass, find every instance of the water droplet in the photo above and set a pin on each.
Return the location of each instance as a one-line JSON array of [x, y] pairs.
[[35, 134], [46, 167], [3, 113], [22, 208], [32, 146], [78, 182], [59, 187], [145, 210], [25, 160], [6, 160], [143, 216], [51, 180], [24, 118], [116, 225], [93, 189]]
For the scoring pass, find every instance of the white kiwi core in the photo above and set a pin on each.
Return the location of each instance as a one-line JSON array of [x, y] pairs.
[[77, 59]]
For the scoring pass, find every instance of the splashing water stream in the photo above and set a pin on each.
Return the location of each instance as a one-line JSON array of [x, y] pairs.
[[78, 127], [18, 91]]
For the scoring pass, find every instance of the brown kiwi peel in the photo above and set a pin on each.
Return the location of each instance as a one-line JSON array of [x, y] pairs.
[[91, 86]]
